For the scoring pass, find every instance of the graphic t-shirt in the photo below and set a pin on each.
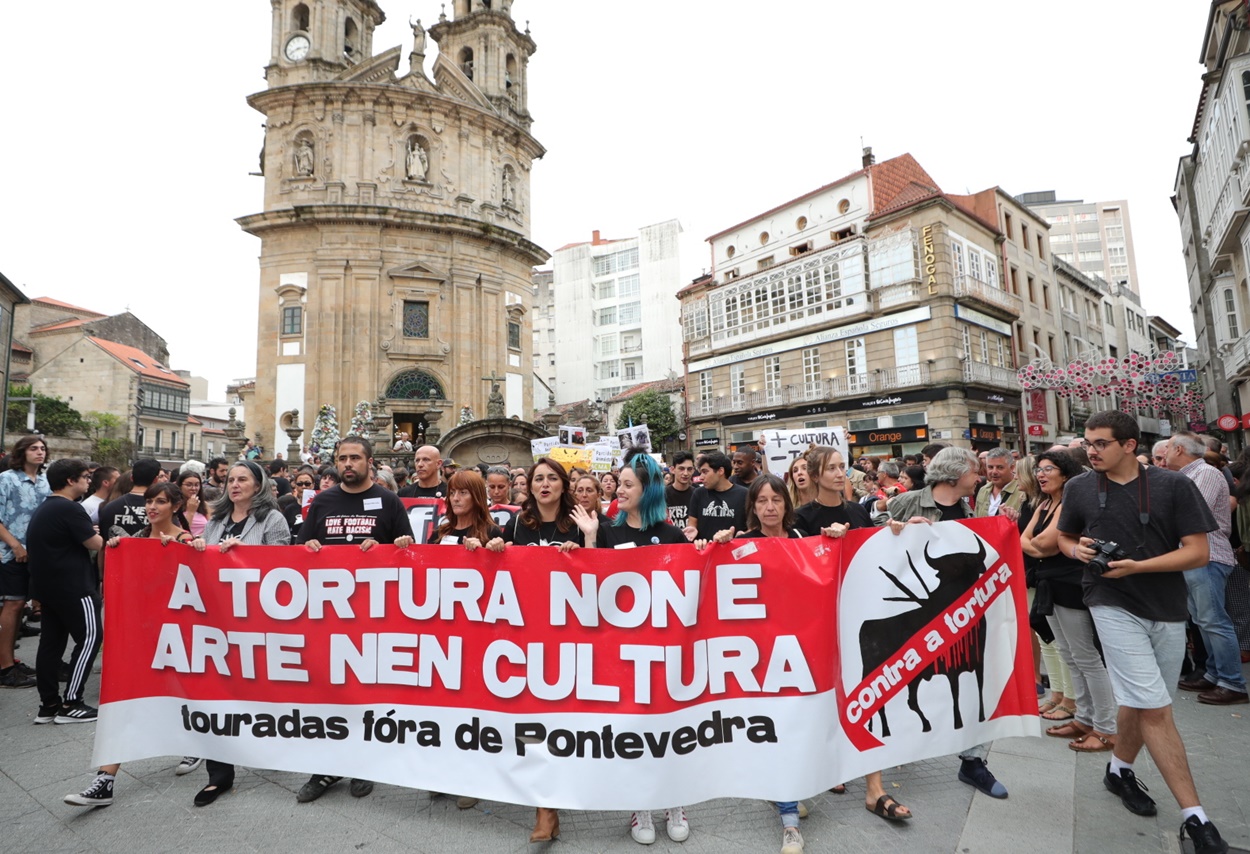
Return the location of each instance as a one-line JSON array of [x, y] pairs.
[[60, 566], [336, 517], [716, 511], [125, 517], [415, 490], [547, 534], [623, 536], [678, 502]]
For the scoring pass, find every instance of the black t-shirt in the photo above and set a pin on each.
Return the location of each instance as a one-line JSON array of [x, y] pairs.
[[716, 511], [547, 534], [415, 490], [814, 516], [458, 535], [745, 484], [952, 512], [793, 534], [60, 566], [284, 486], [1176, 509], [678, 502], [615, 536], [128, 513], [336, 517]]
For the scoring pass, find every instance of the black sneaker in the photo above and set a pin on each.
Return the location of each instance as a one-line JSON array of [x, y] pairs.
[[14, 678], [975, 773], [23, 669], [1206, 838], [315, 787], [98, 794], [78, 713], [47, 714], [1131, 791]]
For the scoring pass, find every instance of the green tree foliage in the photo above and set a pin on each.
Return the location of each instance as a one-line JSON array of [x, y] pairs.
[[109, 443], [53, 416], [653, 408]]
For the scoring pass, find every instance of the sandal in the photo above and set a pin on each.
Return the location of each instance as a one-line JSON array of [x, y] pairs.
[[1060, 713], [1101, 743], [1049, 706], [1071, 729], [839, 789], [887, 808]]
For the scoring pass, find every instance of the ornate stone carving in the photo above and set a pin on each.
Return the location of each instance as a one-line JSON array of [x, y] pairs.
[[417, 163], [304, 158]]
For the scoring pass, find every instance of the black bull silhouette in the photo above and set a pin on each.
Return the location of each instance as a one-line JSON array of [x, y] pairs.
[[882, 641]]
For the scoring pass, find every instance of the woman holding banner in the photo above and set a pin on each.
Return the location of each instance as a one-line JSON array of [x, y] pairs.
[[163, 503], [546, 517], [830, 512], [642, 521], [468, 521], [246, 515]]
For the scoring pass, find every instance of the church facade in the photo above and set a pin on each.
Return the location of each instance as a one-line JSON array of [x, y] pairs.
[[396, 259]]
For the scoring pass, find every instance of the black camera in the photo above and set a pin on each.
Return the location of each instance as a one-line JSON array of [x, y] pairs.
[[1104, 552]]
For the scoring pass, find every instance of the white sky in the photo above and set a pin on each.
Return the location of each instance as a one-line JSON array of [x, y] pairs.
[[127, 141]]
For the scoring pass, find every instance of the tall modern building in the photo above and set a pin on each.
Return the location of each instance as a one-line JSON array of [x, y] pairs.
[[615, 321], [395, 251], [544, 321], [1094, 237]]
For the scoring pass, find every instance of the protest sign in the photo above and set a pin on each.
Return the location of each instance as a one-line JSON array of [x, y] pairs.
[[782, 446], [539, 448], [570, 434], [638, 436], [571, 457], [587, 680]]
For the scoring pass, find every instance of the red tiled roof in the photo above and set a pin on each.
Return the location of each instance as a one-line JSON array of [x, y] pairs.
[[213, 430], [191, 419], [70, 306], [60, 324], [657, 385], [138, 361]]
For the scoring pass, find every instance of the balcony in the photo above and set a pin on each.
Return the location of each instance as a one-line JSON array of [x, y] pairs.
[[900, 294], [992, 375], [1237, 359], [836, 388], [973, 290]]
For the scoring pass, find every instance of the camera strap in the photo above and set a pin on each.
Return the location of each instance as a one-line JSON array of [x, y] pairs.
[[1143, 495]]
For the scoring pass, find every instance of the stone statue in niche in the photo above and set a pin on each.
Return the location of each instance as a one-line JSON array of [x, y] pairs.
[[508, 190], [304, 159], [495, 403], [418, 164]]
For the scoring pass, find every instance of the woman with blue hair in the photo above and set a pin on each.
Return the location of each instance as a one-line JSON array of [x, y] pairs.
[[642, 521]]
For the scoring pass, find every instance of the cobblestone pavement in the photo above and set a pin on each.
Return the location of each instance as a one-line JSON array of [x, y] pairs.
[[1057, 804]]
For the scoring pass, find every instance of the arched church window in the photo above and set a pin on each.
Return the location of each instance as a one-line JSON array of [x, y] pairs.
[[509, 71], [350, 36], [466, 61], [299, 17], [415, 384]]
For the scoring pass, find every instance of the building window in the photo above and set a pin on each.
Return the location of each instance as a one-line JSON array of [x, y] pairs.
[[811, 369], [1032, 293], [631, 370], [737, 384], [906, 348], [1230, 307], [967, 343], [1040, 254], [1046, 297], [631, 312], [606, 316], [1024, 237], [765, 263], [173, 442], [1007, 225], [158, 441], [1109, 312], [293, 320], [514, 335], [628, 286], [856, 369], [414, 385], [416, 319], [957, 256], [705, 386], [772, 378], [607, 344]]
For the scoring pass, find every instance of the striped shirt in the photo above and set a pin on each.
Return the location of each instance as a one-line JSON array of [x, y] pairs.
[[1214, 488]]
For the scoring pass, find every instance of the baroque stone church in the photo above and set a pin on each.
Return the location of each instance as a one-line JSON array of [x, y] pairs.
[[395, 262]]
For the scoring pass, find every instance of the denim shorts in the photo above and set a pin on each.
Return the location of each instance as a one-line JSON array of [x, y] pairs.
[[1143, 656], [14, 581]]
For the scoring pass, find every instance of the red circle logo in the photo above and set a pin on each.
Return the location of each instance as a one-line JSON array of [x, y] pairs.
[[1228, 422]]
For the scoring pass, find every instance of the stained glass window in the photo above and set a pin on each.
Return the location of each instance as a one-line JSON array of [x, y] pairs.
[[416, 319], [414, 385]]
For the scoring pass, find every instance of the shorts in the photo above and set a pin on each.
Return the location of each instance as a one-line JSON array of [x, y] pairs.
[[14, 581], [1143, 656]]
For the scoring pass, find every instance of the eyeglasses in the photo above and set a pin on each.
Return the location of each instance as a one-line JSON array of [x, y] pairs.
[[1100, 445], [1045, 470]]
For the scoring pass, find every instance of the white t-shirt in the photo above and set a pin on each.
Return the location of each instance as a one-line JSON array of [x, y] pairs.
[[92, 505]]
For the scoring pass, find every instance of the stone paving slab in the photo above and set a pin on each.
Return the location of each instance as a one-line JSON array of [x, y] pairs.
[[1057, 804]]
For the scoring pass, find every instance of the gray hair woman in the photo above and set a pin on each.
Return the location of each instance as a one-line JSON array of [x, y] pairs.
[[247, 514]]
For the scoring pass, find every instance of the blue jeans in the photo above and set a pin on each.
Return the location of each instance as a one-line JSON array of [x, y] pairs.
[[789, 813], [1207, 585]]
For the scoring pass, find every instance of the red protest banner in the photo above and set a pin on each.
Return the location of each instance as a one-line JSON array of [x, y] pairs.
[[593, 679]]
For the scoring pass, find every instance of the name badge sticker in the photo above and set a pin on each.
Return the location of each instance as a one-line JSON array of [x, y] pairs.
[[627, 546], [744, 550], [373, 503]]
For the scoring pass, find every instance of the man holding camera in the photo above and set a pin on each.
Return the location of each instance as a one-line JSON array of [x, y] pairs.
[[1138, 529]]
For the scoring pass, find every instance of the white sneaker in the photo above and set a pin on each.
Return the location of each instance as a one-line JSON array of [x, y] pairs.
[[641, 828], [791, 841], [188, 764], [678, 827]]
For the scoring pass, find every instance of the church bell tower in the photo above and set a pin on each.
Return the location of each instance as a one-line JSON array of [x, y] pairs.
[[395, 262]]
